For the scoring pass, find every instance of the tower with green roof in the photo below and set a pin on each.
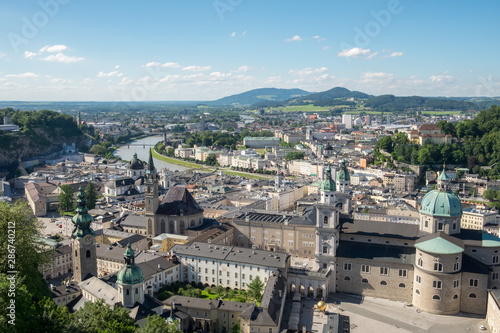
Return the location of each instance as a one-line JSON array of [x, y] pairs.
[[83, 243], [441, 210], [327, 233], [130, 281], [343, 178]]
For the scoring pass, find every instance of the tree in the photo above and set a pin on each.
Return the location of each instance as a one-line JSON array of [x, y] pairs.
[[28, 254], [424, 156], [98, 150], [294, 155], [490, 194], [255, 288], [99, 317], [66, 199], [385, 143], [156, 324], [211, 160], [91, 193]]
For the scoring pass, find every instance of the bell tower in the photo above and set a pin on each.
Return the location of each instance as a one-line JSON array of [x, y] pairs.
[[151, 197], [83, 243]]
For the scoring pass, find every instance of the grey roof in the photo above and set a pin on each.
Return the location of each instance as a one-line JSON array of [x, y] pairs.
[[151, 267], [63, 290], [101, 290], [382, 229], [377, 252], [119, 182], [178, 200], [135, 221], [116, 253], [235, 254]]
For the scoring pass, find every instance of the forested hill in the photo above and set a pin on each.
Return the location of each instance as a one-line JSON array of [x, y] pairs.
[[40, 133], [258, 95], [394, 103], [330, 97], [477, 147]]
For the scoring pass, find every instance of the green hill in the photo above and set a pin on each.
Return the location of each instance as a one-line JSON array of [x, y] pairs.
[[332, 97], [394, 103], [258, 95]]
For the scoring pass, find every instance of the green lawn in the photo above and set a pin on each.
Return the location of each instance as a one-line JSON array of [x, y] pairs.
[[304, 108], [247, 175], [364, 111]]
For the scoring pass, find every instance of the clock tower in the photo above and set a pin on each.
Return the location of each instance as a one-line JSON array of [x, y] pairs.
[[83, 243]]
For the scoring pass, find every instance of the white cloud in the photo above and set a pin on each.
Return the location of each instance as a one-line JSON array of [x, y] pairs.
[[171, 65], [443, 78], [318, 38], [197, 68], [243, 33], [23, 75], [295, 38], [354, 52], [233, 34], [152, 64], [117, 66], [324, 48], [2, 55], [219, 75], [30, 55], [61, 81], [307, 71], [372, 55], [61, 57], [54, 48], [243, 68], [170, 78], [394, 54], [113, 73], [370, 76]]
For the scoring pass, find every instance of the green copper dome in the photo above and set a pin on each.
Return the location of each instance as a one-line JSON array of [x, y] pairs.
[[328, 184], [135, 163], [82, 219], [130, 273], [441, 203], [343, 173]]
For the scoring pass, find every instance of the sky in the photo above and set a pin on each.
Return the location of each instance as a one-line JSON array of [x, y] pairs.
[[172, 50]]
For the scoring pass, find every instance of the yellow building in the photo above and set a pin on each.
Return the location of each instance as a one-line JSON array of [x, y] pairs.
[[164, 242]]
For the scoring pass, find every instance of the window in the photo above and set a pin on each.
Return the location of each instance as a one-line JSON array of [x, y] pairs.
[[325, 249], [440, 226], [420, 262], [325, 220], [383, 283], [436, 297], [227, 274], [270, 330], [426, 223], [454, 225], [437, 284], [472, 295], [384, 271], [128, 292], [243, 276], [347, 278], [417, 291], [473, 282], [347, 267], [418, 278], [456, 266], [495, 259], [87, 254], [365, 268], [403, 273], [364, 280], [438, 267], [455, 296], [494, 276], [402, 285], [456, 283]]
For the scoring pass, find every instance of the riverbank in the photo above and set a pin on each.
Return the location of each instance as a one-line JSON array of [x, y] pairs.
[[205, 168]]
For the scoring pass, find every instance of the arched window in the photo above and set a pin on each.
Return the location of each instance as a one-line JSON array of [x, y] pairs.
[[364, 280], [455, 296], [87, 254], [417, 291], [494, 287], [347, 278], [402, 285], [436, 297], [472, 295], [383, 283]]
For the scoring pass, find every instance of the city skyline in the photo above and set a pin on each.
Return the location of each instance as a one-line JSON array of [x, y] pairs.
[[62, 50]]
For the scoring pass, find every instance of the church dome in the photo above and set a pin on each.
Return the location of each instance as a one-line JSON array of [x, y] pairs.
[[328, 184], [441, 203], [130, 272], [135, 163]]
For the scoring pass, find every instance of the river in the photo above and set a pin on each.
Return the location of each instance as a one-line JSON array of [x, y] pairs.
[[141, 147]]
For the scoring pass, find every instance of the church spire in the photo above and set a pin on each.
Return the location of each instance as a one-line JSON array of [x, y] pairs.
[[151, 166]]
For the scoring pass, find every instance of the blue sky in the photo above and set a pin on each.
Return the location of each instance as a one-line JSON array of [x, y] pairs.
[[69, 50]]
